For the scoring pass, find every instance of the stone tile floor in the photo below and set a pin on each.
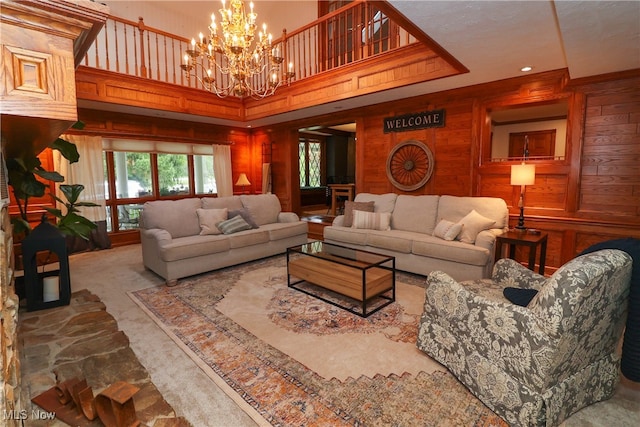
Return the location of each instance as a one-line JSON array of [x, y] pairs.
[[82, 340]]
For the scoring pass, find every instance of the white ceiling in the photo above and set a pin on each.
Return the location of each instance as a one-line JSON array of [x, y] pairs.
[[494, 39]]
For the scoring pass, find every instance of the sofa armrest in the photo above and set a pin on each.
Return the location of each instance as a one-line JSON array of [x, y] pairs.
[[338, 221], [487, 238], [511, 273], [288, 217], [159, 236]]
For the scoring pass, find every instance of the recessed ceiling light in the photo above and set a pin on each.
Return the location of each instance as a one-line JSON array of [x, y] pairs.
[[527, 68]]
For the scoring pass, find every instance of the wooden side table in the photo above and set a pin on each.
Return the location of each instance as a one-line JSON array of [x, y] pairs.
[[522, 238], [347, 190]]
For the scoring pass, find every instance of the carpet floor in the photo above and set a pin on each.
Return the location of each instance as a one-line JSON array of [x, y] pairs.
[[290, 359], [112, 274]]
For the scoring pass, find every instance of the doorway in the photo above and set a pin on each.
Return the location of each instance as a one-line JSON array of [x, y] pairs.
[[326, 156]]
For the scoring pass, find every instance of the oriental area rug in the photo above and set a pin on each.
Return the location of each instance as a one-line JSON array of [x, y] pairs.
[[289, 359]]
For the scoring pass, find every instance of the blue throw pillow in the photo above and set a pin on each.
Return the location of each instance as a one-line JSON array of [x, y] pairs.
[[518, 296]]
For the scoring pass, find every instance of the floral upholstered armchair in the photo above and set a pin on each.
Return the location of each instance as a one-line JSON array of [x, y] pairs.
[[533, 365]]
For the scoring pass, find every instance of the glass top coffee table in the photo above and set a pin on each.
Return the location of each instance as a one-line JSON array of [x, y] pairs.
[[358, 281]]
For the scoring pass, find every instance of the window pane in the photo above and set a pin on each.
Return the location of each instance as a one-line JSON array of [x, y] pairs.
[[133, 174], [109, 224], [314, 164], [106, 178], [203, 173], [302, 163], [173, 174], [129, 216]]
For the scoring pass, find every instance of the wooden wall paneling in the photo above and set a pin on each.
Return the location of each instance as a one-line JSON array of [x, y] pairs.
[[120, 89], [119, 125], [611, 151]]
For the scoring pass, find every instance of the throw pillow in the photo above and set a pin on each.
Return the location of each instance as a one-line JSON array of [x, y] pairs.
[[208, 219], [447, 230], [518, 296], [371, 220], [349, 207], [245, 214], [233, 225], [472, 224]]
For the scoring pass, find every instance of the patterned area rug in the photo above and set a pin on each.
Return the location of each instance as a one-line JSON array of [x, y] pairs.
[[290, 359]]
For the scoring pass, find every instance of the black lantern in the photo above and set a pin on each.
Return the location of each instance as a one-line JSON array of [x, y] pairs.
[[51, 288]]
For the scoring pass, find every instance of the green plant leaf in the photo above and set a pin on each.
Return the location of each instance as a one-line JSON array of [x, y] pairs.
[[20, 225], [76, 225], [29, 186], [88, 204], [68, 150], [49, 175], [72, 192], [55, 212]]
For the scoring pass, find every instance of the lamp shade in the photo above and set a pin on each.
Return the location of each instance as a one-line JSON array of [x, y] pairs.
[[523, 174], [243, 180]]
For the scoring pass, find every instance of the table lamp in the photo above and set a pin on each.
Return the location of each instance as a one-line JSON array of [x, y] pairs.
[[243, 181], [522, 175]]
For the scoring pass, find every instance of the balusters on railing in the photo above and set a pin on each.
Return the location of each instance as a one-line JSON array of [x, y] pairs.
[[352, 33]]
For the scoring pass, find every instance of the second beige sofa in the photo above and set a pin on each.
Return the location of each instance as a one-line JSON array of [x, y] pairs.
[[410, 234]]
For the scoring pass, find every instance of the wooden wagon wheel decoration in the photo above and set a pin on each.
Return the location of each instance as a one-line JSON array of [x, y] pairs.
[[410, 165]]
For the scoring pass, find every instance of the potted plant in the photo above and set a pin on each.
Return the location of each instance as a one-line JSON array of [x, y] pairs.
[[23, 179]]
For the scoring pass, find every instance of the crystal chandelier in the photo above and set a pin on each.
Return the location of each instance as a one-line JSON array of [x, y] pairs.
[[231, 63]]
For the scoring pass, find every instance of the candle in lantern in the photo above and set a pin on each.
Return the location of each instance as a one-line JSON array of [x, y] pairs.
[[50, 289]]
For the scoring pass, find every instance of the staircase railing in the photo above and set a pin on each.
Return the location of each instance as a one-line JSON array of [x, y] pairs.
[[353, 33]]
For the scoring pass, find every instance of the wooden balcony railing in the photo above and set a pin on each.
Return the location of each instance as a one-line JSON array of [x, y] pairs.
[[352, 33]]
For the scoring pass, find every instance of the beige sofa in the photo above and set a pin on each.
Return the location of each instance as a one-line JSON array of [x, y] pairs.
[[179, 237], [409, 235]]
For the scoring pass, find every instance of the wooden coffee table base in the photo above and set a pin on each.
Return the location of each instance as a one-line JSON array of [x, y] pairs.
[[362, 285]]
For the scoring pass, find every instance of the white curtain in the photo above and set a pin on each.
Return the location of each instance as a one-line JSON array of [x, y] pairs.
[[222, 170], [88, 171]]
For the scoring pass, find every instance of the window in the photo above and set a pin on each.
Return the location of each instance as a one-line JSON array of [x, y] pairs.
[[205, 182], [310, 162], [173, 174], [137, 177], [132, 175]]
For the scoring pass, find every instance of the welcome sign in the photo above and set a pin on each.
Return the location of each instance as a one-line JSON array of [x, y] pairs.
[[405, 122]]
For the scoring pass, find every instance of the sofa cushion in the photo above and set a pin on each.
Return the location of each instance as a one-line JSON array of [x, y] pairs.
[[382, 202], [472, 224], [447, 230], [231, 202], [246, 215], [194, 246], [349, 207], [454, 208], [178, 217], [415, 213], [233, 225], [350, 235], [248, 238], [208, 218], [371, 220], [451, 251], [263, 207], [284, 230], [398, 241]]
